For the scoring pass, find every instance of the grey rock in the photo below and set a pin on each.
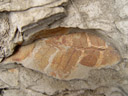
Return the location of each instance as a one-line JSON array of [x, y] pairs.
[[120, 3], [79, 93], [7, 34], [116, 94], [40, 14], [100, 91], [16, 92], [16, 5], [123, 26], [41, 83], [93, 14], [45, 17], [124, 12], [103, 81], [3, 84], [4, 34], [33, 93], [109, 91], [10, 77], [13, 23], [13, 93], [104, 77]]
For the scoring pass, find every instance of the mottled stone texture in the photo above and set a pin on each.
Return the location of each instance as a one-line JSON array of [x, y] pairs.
[[63, 47], [4, 33], [65, 56]]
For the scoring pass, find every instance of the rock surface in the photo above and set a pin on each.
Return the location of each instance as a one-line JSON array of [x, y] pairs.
[[37, 16], [67, 56], [9, 5], [32, 66]]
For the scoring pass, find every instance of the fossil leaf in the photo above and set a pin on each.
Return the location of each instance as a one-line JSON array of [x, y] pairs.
[[67, 56]]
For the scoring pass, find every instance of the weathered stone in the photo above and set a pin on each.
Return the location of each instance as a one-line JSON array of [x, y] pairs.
[[25, 92], [80, 93], [117, 94], [4, 34], [92, 14], [21, 23], [80, 14], [123, 26], [21, 55], [43, 16], [13, 93], [13, 23], [40, 83], [3, 85], [66, 56], [124, 12], [32, 93], [100, 91], [104, 77], [10, 77], [7, 35], [120, 3], [14, 5], [44, 34], [109, 91], [37, 82]]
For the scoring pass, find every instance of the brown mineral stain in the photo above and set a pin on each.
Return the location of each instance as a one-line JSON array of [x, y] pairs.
[[22, 53], [91, 57], [49, 33], [71, 65], [60, 40], [80, 40], [53, 74], [77, 40], [111, 56], [65, 61], [12, 70], [41, 58], [96, 40]]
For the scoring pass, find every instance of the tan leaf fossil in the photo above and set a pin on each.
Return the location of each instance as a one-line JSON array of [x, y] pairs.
[[65, 55]]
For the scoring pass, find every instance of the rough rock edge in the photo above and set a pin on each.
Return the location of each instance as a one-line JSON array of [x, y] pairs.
[[70, 89], [15, 36], [9, 5]]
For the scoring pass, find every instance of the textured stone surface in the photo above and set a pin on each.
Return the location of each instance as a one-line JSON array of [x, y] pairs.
[[123, 26], [38, 15], [77, 14], [43, 18], [45, 84], [13, 93], [15, 5], [4, 28], [67, 56], [91, 92], [45, 34], [102, 82], [21, 93], [22, 22], [37, 82], [10, 77], [91, 14]]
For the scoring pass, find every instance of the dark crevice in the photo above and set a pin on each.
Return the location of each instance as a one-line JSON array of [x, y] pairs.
[[2, 91], [16, 49]]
